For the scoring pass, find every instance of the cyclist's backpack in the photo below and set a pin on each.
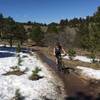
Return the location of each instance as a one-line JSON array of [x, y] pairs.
[[57, 51]]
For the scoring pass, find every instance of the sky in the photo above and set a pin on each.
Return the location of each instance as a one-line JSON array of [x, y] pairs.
[[47, 11]]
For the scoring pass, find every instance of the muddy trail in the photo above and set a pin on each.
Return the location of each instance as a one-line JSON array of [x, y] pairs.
[[75, 85]]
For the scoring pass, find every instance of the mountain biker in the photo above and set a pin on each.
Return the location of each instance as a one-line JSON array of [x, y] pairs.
[[58, 50]]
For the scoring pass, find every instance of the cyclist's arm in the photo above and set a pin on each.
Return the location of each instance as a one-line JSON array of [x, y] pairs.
[[63, 51], [54, 51]]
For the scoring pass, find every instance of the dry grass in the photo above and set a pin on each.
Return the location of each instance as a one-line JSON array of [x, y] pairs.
[[15, 72], [75, 63]]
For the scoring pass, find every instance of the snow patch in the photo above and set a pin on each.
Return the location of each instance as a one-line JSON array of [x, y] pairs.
[[81, 58], [47, 86], [89, 72]]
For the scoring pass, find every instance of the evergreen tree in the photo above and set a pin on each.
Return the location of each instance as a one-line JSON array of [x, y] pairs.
[[37, 35]]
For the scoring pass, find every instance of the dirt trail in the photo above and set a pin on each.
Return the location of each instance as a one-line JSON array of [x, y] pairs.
[[74, 84]]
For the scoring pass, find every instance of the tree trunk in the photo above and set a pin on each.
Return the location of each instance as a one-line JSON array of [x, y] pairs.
[[11, 42]]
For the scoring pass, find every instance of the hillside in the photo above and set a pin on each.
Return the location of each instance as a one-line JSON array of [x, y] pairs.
[[77, 32]]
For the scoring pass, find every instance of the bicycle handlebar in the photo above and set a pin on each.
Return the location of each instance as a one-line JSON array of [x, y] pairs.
[[63, 55]]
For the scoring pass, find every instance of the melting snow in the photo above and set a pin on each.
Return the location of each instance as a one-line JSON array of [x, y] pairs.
[[89, 72], [47, 86], [81, 58]]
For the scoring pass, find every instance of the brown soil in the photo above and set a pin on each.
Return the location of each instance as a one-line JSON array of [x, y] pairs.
[[36, 77], [17, 72]]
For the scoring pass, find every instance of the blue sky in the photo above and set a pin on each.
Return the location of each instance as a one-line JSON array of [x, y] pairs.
[[47, 11]]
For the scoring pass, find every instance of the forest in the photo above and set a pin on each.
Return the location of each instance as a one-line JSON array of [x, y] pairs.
[[77, 32]]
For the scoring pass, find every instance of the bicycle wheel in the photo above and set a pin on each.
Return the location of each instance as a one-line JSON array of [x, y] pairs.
[[69, 70]]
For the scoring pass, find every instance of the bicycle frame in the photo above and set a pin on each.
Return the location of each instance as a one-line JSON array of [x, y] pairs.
[[61, 66], [60, 63]]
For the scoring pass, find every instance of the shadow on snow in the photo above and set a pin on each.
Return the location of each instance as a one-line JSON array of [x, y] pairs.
[[10, 51]]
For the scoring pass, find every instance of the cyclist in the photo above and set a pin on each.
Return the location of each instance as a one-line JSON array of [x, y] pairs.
[[58, 50]]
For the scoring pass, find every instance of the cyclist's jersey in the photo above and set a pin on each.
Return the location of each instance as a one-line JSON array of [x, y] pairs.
[[58, 51]]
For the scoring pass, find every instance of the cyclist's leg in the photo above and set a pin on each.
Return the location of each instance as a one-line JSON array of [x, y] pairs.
[[59, 63], [56, 59]]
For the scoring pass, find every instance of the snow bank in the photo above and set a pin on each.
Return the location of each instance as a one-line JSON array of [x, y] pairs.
[[89, 72], [81, 58], [48, 86]]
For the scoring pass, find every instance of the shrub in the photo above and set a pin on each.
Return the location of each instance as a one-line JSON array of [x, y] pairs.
[[19, 60], [15, 68], [18, 48], [36, 71], [93, 57], [36, 35], [18, 96], [35, 75], [71, 53]]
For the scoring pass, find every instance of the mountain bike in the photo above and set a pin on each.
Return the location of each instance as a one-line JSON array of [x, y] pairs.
[[62, 67]]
